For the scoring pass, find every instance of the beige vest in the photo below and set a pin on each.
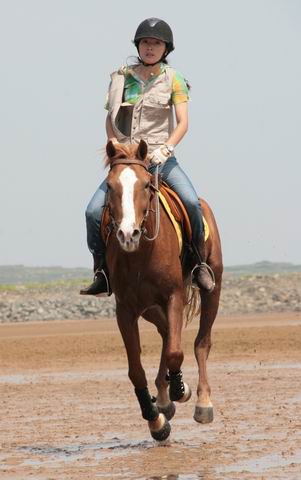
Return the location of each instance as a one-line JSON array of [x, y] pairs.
[[150, 119]]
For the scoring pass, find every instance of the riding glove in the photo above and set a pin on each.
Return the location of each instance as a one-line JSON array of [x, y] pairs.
[[160, 155]]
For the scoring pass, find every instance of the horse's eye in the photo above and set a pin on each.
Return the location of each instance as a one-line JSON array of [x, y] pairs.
[[147, 185]]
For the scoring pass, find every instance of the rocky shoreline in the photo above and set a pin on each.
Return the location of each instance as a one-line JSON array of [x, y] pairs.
[[240, 295]]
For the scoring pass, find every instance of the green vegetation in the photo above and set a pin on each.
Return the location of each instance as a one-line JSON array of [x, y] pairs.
[[18, 287], [19, 277]]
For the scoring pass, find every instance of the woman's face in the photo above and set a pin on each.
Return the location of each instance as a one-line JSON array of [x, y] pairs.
[[151, 50]]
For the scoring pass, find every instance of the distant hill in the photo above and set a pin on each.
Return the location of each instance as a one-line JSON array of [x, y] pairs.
[[263, 268], [20, 274]]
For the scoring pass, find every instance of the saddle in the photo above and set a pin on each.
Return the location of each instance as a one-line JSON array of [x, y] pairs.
[[177, 213], [175, 210]]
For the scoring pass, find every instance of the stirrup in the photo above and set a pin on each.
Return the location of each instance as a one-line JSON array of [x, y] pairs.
[[209, 270], [108, 291], [99, 287]]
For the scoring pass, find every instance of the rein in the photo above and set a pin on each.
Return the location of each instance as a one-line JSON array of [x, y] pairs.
[[155, 188], [157, 210]]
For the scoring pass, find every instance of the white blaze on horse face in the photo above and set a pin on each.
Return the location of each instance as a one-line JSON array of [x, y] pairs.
[[128, 179]]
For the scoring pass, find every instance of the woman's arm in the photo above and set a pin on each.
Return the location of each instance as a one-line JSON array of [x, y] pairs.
[[161, 154], [181, 110]]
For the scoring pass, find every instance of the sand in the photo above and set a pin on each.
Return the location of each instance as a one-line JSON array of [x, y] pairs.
[[68, 410]]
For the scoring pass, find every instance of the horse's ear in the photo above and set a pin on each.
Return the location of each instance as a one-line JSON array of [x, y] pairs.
[[142, 150], [111, 150]]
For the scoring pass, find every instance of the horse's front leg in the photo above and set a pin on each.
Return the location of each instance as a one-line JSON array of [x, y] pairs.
[[157, 317], [128, 326], [204, 409], [163, 401], [179, 391]]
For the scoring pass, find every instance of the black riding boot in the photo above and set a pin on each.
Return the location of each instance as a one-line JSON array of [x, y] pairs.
[[202, 274], [100, 287]]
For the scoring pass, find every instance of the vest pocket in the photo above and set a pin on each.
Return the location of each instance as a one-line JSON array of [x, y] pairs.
[[158, 101], [156, 121]]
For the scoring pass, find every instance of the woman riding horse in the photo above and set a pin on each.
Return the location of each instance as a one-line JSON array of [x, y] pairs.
[[142, 99]]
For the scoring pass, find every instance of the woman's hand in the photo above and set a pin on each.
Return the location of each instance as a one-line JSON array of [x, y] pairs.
[[160, 155]]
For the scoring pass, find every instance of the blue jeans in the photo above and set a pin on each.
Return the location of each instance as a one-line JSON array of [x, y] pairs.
[[176, 178]]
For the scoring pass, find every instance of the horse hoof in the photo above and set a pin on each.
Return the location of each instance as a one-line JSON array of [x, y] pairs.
[[203, 414], [169, 410], [186, 395], [163, 431]]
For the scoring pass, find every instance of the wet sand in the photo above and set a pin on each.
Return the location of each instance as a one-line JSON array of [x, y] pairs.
[[68, 410]]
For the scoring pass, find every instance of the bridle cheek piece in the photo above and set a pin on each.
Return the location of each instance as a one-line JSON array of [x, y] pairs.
[[154, 190]]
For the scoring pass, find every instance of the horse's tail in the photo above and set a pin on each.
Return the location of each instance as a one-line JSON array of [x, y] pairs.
[[192, 302]]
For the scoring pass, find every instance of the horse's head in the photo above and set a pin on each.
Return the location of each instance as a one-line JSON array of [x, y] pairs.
[[128, 191]]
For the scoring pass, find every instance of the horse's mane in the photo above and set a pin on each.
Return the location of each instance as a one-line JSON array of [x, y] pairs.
[[128, 150]]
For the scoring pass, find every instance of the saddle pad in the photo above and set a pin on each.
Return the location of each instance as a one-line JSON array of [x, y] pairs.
[[177, 225]]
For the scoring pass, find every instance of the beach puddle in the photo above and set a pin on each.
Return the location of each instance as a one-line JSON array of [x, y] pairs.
[[53, 456], [121, 373], [176, 477], [261, 464], [295, 399]]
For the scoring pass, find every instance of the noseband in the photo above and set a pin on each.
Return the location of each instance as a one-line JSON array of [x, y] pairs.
[[153, 187]]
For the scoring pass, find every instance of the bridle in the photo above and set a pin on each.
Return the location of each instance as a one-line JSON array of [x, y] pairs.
[[154, 187]]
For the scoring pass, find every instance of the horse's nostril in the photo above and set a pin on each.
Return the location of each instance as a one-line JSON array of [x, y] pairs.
[[136, 234], [120, 235]]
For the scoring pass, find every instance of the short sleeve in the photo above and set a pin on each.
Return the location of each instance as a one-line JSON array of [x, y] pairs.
[[180, 90]]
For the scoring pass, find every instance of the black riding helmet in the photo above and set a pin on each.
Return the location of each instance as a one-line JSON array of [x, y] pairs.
[[155, 28]]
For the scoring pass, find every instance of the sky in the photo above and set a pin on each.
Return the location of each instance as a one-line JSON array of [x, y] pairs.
[[242, 150]]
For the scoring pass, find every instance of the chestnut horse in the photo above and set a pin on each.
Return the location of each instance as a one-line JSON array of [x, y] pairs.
[[148, 280]]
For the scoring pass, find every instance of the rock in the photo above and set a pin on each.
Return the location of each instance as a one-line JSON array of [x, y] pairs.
[[269, 293]]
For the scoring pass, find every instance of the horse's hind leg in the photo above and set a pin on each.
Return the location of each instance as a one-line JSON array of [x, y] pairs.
[[204, 409], [128, 326]]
